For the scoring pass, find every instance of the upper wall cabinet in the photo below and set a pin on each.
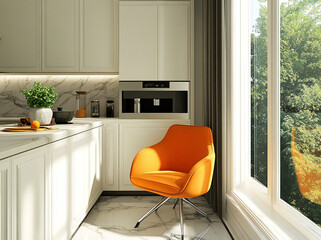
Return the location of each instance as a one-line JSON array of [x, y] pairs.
[[20, 38], [137, 41], [99, 36], [60, 36], [154, 40], [92, 49], [173, 41]]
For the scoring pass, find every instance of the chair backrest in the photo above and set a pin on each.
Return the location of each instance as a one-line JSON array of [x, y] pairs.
[[186, 145]]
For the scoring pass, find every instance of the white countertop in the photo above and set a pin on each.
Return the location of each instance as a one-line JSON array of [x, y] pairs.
[[12, 143]]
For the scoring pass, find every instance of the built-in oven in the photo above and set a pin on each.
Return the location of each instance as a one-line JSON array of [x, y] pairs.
[[154, 99]]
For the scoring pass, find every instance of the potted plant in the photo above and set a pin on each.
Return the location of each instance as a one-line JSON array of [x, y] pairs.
[[306, 154], [40, 100]]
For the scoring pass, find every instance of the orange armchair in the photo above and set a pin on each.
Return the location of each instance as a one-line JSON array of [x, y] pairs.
[[180, 166]]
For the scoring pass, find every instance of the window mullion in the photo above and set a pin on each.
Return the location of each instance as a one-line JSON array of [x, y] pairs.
[[273, 100]]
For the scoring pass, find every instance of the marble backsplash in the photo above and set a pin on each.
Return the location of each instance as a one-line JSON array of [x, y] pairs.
[[98, 87]]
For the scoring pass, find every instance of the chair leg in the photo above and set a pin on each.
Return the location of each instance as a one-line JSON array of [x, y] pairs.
[[197, 209], [181, 217], [157, 206], [175, 203]]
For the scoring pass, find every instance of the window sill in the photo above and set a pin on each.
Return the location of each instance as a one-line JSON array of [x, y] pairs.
[[248, 217]]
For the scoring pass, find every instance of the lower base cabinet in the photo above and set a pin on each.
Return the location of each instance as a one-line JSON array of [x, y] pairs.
[[87, 182], [28, 195], [123, 139], [60, 190], [5, 199], [53, 188]]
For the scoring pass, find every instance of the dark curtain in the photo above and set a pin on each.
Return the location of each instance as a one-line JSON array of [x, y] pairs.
[[212, 72]]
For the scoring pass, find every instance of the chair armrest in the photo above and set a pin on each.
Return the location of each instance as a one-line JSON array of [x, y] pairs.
[[146, 160], [199, 177]]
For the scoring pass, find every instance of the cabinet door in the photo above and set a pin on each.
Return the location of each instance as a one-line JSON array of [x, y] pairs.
[[59, 177], [137, 41], [28, 195], [133, 138], [5, 199], [20, 35], [95, 166], [174, 41], [81, 171], [60, 36], [110, 157], [98, 36]]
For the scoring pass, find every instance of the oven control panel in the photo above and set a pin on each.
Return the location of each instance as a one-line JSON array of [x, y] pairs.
[[155, 84]]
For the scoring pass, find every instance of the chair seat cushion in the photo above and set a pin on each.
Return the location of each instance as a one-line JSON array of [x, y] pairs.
[[167, 182]]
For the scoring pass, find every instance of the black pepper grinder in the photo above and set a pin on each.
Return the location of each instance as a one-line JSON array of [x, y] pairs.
[[110, 108]]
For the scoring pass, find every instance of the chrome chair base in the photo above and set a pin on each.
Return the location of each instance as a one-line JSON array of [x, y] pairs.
[[181, 217]]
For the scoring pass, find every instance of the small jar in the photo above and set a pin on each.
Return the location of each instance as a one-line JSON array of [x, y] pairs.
[[95, 108], [110, 108], [81, 104]]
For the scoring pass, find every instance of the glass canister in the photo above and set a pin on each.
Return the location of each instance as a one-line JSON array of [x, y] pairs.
[[81, 104], [95, 108], [110, 108]]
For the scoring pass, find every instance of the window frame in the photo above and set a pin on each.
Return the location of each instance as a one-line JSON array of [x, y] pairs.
[[266, 214]]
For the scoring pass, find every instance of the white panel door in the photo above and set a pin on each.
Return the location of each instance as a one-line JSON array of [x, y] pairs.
[[59, 177], [98, 36], [95, 162], [60, 35], [110, 157], [133, 138], [20, 22], [174, 41], [28, 195], [81, 177], [5, 199], [137, 41]]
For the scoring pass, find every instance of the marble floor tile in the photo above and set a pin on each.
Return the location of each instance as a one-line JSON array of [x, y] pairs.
[[114, 218]]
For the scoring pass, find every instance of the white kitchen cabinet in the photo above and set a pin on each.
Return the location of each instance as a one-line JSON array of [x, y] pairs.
[[45, 193], [123, 140], [60, 35], [95, 166], [5, 199], [80, 161], [87, 180], [98, 36], [59, 176], [110, 153], [137, 41], [173, 41], [20, 39], [154, 40], [28, 194], [74, 181]]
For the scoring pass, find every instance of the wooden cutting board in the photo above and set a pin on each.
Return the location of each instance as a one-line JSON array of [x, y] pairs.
[[27, 129]]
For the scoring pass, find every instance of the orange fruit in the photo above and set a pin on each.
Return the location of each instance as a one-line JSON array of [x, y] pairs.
[[35, 124]]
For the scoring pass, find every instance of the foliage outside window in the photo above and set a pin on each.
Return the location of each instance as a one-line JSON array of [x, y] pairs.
[[300, 77], [259, 91]]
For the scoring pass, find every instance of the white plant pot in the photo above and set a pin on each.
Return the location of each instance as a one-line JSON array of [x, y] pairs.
[[43, 115]]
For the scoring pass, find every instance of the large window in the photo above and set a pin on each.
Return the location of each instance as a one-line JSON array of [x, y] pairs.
[[300, 102], [274, 136]]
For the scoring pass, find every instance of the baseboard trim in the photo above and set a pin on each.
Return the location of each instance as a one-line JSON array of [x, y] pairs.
[[127, 193], [238, 223]]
